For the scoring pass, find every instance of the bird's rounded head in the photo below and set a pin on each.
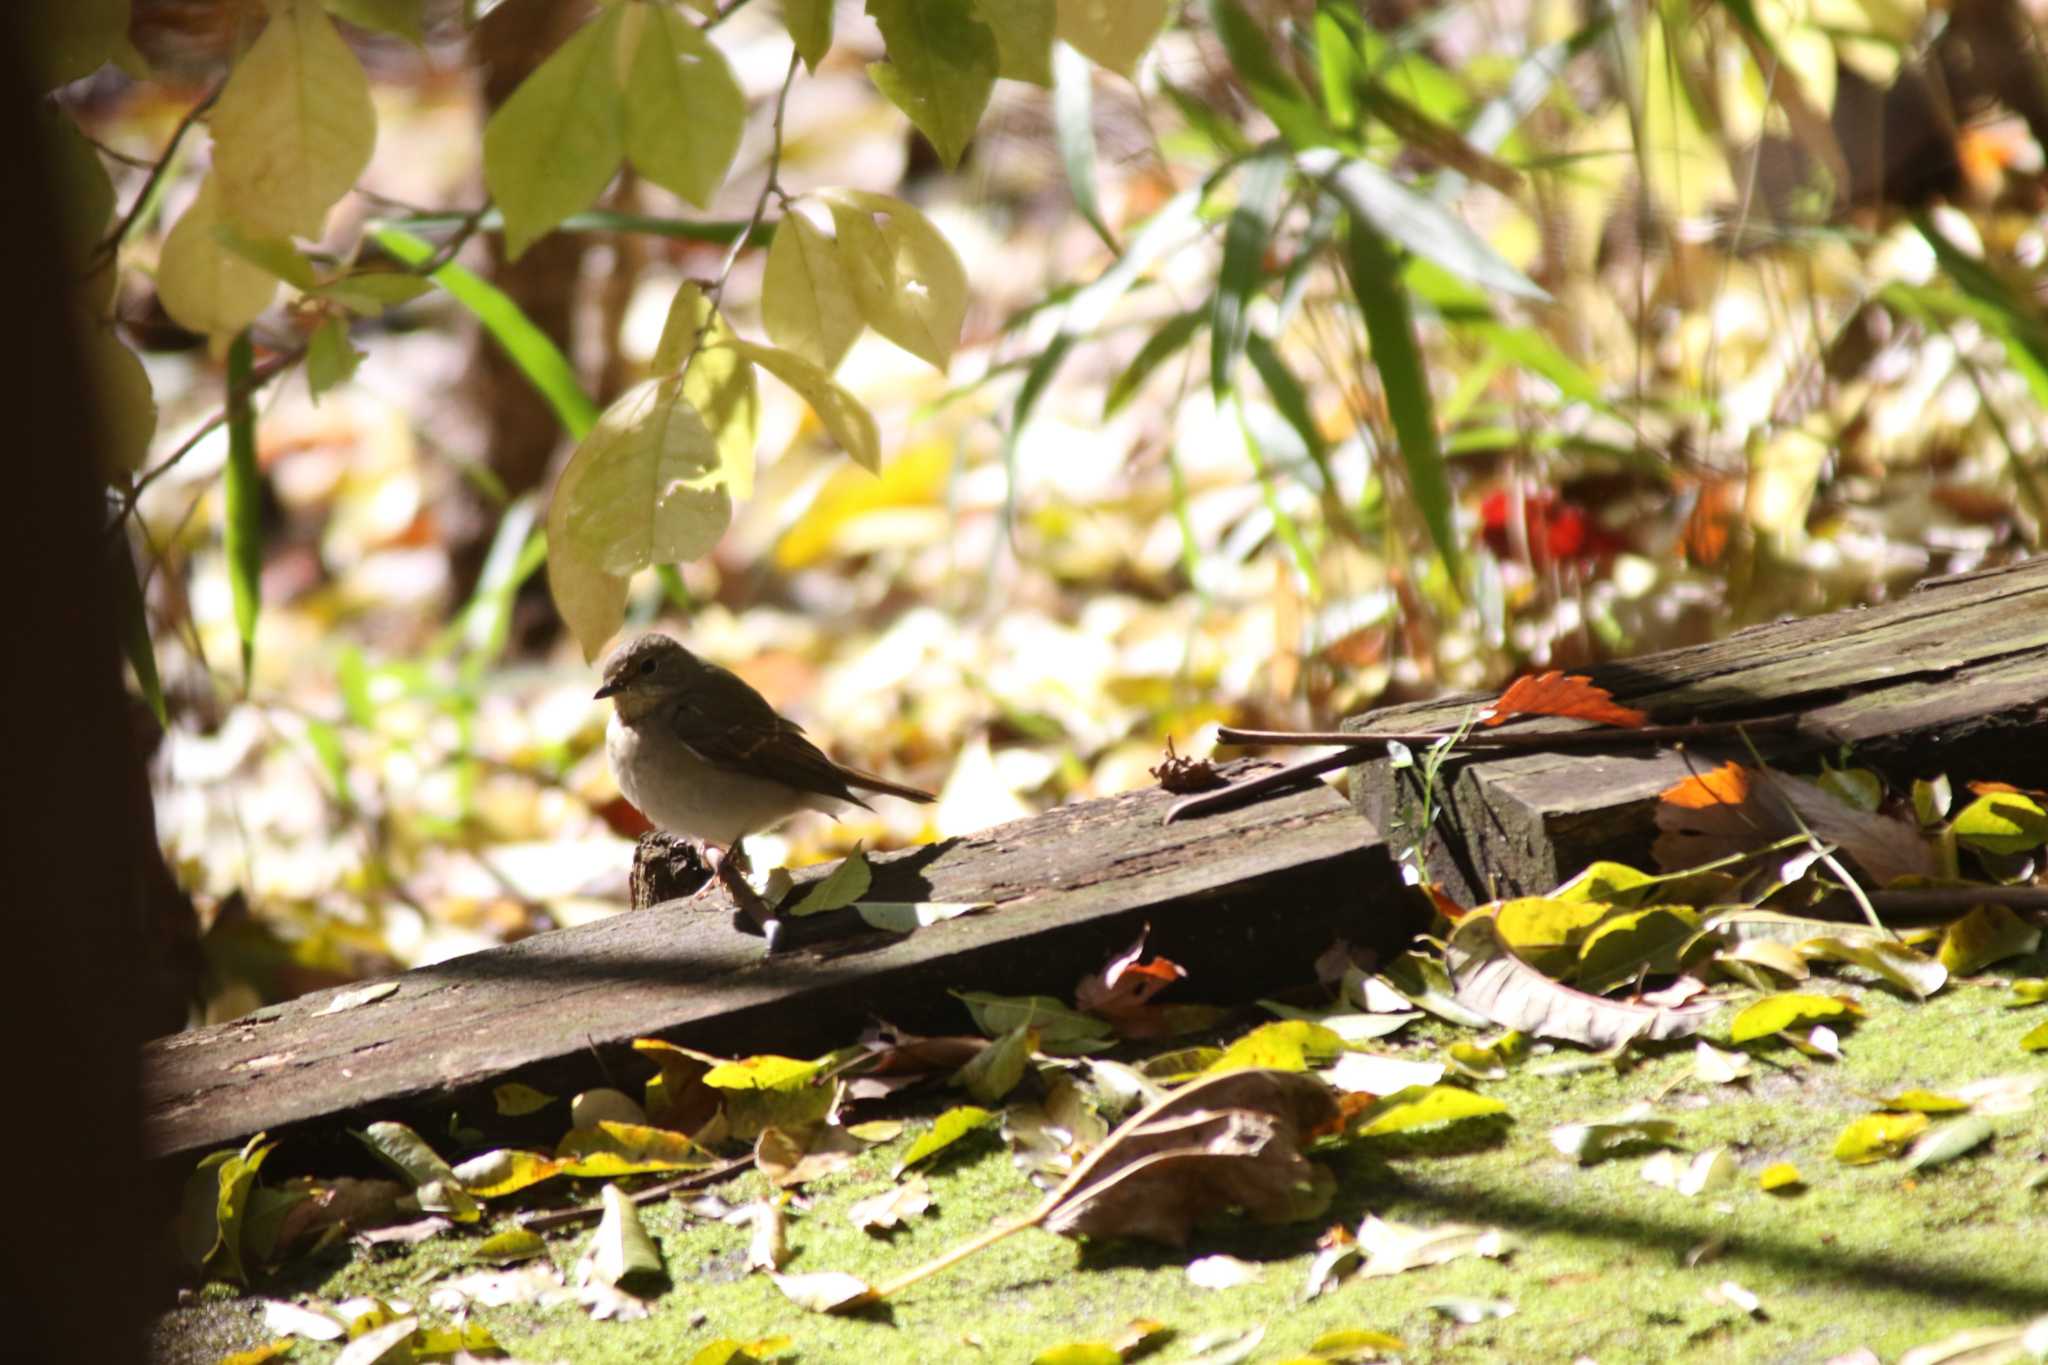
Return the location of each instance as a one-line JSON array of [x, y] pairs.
[[647, 665]]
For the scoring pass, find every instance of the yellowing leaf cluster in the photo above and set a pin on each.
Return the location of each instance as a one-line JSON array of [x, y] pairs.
[[293, 129]]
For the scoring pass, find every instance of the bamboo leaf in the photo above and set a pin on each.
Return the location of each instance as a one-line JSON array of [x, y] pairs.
[[1073, 124], [1376, 281], [1243, 272], [537, 357], [244, 531]]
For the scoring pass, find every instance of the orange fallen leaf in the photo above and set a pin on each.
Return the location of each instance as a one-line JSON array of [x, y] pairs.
[[1727, 785], [1560, 694]]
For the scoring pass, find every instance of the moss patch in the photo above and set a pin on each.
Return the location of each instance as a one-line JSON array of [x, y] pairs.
[[1608, 1265]]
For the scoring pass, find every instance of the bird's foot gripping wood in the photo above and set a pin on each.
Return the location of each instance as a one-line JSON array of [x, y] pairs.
[[752, 915]]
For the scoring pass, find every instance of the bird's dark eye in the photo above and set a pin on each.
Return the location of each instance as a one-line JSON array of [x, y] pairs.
[[646, 666]]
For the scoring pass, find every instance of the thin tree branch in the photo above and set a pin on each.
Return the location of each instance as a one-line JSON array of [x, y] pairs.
[[111, 243]]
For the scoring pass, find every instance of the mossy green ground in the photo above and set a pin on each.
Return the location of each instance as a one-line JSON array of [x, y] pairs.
[[1608, 1266]]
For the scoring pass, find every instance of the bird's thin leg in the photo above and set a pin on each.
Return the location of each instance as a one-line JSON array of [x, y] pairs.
[[730, 870]]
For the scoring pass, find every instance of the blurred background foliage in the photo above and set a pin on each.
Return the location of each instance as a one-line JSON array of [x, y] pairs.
[[1316, 357]]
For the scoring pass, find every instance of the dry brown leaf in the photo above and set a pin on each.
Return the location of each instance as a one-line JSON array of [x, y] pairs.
[[1735, 809], [1572, 695], [1494, 982], [1233, 1140]]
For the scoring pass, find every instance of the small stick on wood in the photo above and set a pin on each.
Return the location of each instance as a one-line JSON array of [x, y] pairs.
[[1350, 742], [1511, 739], [560, 1218], [1290, 775]]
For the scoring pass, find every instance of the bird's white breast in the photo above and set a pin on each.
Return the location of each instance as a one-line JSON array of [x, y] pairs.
[[684, 795]]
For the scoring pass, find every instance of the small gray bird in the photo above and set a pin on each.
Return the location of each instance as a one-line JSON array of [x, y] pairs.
[[703, 755]]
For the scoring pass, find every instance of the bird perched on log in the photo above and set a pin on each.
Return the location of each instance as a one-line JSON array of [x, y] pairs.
[[704, 756]]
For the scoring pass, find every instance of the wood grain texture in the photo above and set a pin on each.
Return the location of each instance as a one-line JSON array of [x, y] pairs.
[[1244, 900], [1952, 678]]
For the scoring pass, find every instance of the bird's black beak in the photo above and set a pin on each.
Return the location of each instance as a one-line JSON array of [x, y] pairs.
[[607, 690]]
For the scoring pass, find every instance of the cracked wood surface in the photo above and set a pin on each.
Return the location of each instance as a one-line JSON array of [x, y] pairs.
[[1244, 899], [1951, 678]]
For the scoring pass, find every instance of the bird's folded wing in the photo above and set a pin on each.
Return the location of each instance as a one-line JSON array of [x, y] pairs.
[[730, 725]]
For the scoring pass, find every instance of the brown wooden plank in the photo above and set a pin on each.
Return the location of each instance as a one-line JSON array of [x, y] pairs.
[[1953, 678], [1244, 899]]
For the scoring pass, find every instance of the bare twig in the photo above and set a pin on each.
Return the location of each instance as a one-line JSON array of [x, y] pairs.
[[111, 243], [258, 377]]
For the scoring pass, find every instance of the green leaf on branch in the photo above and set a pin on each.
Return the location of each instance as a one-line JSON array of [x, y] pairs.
[[683, 109], [645, 487], [330, 359], [553, 146], [941, 68], [810, 27]]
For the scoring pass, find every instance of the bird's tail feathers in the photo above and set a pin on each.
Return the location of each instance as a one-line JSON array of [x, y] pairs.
[[867, 781]]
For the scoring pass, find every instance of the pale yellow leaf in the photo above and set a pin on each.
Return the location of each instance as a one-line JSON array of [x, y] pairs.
[[807, 301], [717, 381], [844, 416], [1111, 33], [906, 276], [202, 284], [294, 126], [683, 109], [591, 601], [556, 143], [645, 489]]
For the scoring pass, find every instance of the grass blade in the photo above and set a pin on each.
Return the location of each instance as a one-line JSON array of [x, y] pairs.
[[1243, 272], [244, 531], [1073, 123], [1173, 334], [1375, 273], [135, 641], [537, 357]]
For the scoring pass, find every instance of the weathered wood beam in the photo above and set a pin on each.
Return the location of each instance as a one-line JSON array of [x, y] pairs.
[[1245, 900], [1951, 678]]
